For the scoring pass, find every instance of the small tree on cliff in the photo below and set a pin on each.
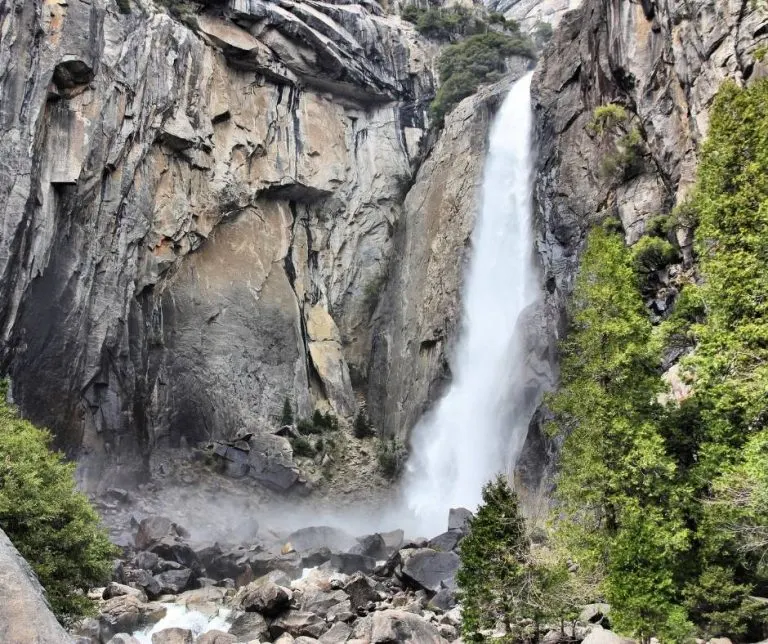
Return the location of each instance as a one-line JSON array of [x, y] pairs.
[[52, 525]]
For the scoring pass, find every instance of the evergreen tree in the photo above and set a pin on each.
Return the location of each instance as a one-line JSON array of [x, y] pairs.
[[492, 558], [286, 417], [52, 525]]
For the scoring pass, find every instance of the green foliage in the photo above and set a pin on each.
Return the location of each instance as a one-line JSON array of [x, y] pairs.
[[651, 254], [51, 524], [677, 330], [286, 417], [623, 161], [478, 60], [492, 557], [760, 53], [606, 118], [318, 424], [444, 23], [362, 427], [616, 486], [542, 34], [391, 456], [302, 447]]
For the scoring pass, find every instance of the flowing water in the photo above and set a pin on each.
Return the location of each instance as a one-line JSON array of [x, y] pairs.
[[477, 429]]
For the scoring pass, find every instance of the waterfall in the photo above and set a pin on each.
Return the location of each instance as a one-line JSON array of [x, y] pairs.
[[477, 429]]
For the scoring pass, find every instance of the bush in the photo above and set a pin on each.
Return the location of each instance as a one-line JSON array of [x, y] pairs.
[[624, 161], [444, 23], [542, 34], [651, 254], [607, 118], [302, 447], [53, 526], [391, 456], [362, 426], [478, 60]]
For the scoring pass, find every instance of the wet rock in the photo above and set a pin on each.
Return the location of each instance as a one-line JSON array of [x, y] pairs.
[[349, 563], [174, 581], [145, 560], [361, 590], [298, 623], [123, 638], [372, 545], [316, 557], [114, 589], [173, 636], [428, 569], [225, 564], [446, 542], [264, 597], [393, 540], [339, 632], [216, 637], [458, 519], [155, 528], [126, 614], [177, 551], [316, 537], [249, 626], [143, 579]]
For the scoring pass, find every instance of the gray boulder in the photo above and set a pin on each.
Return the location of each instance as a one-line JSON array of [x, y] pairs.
[[154, 528], [393, 540], [372, 545], [338, 633], [428, 569], [264, 597], [174, 581], [123, 638], [396, 626], [446, 542], [599, 635], [315, 537], [297, 623], [216, 637], [350, 563], [114, 589], [25, 615], [143, 579], [361, 590], [173, 636], [126, 614], [249, 626], [458, 519]]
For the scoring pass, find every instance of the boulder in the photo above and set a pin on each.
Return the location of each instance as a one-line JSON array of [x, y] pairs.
[[126, 614], [173, 636], [317, 601], [123, 638], [225, 564], [428, 569], [458, 519], [143, 579], [249, 626], [25, 615], [361, 590], [305, 640], [350, 563], [263, 563], [297, 623], [114, 589], [175, 550], [372, 545], [338, 633], [316, 557], [316, 537], [174, 581], [393, 540], [145, 560], [341, 612], [264, 597], [444, 599], [595, 614], [285, 638], [603, 636], [446, 542], [396, 626], [216, 637], [154, 528]]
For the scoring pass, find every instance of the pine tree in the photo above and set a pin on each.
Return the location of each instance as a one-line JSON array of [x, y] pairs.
[[287, 416]]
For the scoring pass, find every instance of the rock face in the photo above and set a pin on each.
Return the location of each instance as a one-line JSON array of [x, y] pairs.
[[663, 60], [24, 612], [196, 222]]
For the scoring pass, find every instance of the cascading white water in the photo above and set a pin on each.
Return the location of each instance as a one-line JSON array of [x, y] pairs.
[[473, 432]]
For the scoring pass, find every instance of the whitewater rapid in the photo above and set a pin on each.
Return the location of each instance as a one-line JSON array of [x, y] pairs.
[[478, 428]]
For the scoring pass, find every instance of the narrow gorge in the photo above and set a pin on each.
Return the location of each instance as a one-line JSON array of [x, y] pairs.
[[290, 282]]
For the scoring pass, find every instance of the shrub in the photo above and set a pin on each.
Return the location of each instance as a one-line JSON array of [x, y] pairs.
[[624, 161], [651, 254], [302, 447], [606, 118], [391, 456], [286, 418], [53, 526], [478, 60], [542, 34], [362, 426], [306, 426], [444, 23]]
